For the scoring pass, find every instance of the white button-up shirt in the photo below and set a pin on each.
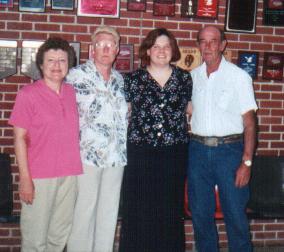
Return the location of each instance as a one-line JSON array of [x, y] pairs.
[[102, 111], [220, 100]]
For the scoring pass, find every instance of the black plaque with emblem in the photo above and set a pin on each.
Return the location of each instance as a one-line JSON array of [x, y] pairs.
[[8, 58], [188, 8]]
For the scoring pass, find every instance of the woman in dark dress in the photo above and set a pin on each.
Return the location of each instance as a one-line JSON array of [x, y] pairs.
[[153, 188]]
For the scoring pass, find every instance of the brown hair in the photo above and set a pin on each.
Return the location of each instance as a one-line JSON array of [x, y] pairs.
[[150, 40], [55, 43]]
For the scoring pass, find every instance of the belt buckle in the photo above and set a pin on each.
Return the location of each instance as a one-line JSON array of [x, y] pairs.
[[212, 141]]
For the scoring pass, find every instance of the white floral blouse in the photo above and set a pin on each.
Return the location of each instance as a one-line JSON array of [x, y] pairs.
[[103, 116]]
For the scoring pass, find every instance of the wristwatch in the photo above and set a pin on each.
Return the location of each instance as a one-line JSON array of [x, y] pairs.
[[248, 163]]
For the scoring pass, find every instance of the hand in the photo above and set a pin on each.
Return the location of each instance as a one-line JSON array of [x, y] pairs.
[[27, 190], [242, 175]]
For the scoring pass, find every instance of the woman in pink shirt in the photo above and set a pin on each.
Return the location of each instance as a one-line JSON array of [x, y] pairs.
[[46, 135]]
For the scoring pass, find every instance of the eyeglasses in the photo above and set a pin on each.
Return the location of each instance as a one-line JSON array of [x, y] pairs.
[[57, 61], [103, 44]]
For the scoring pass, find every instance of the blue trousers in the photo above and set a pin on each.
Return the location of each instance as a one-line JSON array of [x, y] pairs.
[[210, 166]]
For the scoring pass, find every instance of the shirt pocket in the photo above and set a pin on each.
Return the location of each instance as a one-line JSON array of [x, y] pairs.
[[223, 99]]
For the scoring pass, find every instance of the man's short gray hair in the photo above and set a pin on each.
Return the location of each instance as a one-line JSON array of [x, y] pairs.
[[106, 29]]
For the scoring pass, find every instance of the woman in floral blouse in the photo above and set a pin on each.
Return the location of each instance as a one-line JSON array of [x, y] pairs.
[[153, 189]]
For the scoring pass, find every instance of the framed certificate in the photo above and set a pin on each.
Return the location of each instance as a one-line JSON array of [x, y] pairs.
[[136, 5], [32, 5], [62, 4], [6, 3], [207, 9], [124, 59], [164, 8], [8, 58], [273, 66], [248, 61], [98, 8], [273, 12], [190, 58], [241, 16], [28, 66], [76, 46]]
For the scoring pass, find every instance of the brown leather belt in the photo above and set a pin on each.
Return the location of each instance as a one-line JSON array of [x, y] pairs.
[[215, 141]]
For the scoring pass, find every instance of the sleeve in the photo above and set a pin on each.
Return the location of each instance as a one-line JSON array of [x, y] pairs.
[[246, 94], [22, 112]]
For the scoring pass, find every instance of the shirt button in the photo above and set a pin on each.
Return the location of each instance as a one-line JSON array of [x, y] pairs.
[[160, 126], [159, 134]]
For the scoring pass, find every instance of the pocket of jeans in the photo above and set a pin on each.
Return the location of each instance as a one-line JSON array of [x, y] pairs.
[[236, 147]]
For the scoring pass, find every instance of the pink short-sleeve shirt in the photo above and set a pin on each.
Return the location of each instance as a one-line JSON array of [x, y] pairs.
[[52, 124]]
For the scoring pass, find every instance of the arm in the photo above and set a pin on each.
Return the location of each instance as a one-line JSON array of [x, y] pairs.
[[243, 172], [26, 186]]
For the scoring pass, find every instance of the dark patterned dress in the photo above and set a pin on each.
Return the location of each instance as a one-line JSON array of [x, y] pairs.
[[153, 186]]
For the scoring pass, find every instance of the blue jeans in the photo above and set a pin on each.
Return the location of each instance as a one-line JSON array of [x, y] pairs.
[[210, 166]]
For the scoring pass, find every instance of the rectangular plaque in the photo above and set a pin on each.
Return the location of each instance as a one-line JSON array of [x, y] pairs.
[[102, 8], [207, 9], [124, 59], [6, 3], [76, 46], [248, 61], [188, 8], [136, 5], [32, 5], [241, 16], [273, 66], [164, 8], [62, 4], [8, 58], [190, 58], [273, 12], [28, 66]]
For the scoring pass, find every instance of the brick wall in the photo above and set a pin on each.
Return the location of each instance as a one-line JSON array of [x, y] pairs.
[[133, 26]]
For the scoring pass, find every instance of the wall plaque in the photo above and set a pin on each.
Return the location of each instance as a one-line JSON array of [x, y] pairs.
[[8, 58], [136, 5], [248, 61], [28, 66], [273, 12], [164, 8], [62, 4], [6, 3], [190, 58], [124, 59], [273, 66], [207, 9], [32, 5], [241, 16]]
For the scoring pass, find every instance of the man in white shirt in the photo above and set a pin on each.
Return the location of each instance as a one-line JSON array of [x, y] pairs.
[[223, 140], [103, 125]]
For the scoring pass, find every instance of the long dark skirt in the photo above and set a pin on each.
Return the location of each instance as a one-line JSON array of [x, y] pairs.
[[153, 198]]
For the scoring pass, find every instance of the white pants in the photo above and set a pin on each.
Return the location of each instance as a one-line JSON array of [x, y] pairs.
[[96, 210], [46, 224]]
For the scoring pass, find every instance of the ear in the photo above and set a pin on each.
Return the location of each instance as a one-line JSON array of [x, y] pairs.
[[223, 45], [148, 52]]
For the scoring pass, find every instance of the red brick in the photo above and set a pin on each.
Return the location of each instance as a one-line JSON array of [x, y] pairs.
[[34, 17], [47, 27], [9, 16], [74, 28], [274, 227], [264, 235], [62, 19], [34, 35], [269, 136], [9, 34], [271, 104], [271, 87]]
